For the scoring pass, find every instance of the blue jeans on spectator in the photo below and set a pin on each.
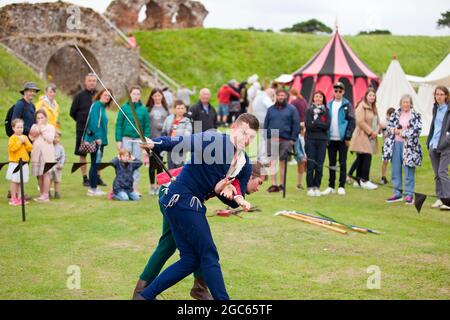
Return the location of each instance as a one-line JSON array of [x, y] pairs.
[[123, 195], [299, 150], [136, 151], [397, 172], [96, 158], [315, 152], [223, 110]]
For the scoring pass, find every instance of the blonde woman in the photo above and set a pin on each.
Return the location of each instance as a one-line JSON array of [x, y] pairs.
[[364, 140], [48, 103]]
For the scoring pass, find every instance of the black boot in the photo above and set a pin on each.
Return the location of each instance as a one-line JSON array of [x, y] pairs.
[[200, 290], [140, 286], [100, 182], [86, 182]]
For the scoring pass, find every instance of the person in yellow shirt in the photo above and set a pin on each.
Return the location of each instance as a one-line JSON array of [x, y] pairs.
[[19, 147], [48, 103]]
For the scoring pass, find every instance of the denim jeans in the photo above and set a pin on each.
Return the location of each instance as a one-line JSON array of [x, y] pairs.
[[96, 158], [136, 151], [123, 195], [397, 172]]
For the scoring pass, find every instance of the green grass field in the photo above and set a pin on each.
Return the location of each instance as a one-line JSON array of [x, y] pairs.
[[263, 257]]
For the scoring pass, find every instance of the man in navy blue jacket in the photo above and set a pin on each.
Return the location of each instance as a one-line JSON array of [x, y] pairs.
[[24, 108], [214, 157], [284, 119]]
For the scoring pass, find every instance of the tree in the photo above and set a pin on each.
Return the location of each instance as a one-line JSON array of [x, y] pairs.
[[374, 32], [445, 20], [310, 26]]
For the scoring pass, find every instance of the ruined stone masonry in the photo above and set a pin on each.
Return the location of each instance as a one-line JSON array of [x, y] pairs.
[[160, 14], [44, 34]]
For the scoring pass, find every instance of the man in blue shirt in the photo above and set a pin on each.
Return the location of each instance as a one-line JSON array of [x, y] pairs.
[[214, 157], [284, 119], [439, 146]]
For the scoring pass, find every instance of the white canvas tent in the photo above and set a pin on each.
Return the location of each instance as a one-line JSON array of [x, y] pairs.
[[440, 76], [393, 86]]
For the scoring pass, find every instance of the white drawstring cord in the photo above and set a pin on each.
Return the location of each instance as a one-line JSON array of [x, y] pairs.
[[194, 201], [173, 200]]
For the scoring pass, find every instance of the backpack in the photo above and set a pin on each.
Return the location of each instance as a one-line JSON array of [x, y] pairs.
[[8, 128]]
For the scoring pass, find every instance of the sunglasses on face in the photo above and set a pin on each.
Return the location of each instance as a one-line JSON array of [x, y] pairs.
[[338, 91]]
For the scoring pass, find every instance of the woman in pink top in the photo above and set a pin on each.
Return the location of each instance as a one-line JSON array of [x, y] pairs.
[[403, 148], [42, 134]]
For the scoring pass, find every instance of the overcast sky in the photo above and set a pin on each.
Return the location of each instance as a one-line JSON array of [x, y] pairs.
[[402, 17]]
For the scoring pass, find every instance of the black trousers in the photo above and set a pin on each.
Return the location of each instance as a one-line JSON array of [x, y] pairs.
[[315, 152], [364, 162], [336, 148], [353, 167], [154, 168]]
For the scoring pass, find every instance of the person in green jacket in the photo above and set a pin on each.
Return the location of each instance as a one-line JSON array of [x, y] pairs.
[[97, 130], [126, 135]]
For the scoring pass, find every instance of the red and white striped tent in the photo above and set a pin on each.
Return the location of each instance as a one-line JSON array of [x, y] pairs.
[[335, 62]]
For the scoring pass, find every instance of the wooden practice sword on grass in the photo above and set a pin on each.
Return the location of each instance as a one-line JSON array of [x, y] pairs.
[[310, 221]]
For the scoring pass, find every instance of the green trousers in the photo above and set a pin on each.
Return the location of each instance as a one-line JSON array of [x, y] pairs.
[[165, 249]]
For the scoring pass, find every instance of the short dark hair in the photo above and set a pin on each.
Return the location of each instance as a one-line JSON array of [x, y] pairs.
[[179, 103], [135, 87], [281, 90], [249, 119], [390, 111]]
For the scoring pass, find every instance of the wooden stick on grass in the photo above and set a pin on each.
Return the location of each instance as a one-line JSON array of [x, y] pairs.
[[310, 221]]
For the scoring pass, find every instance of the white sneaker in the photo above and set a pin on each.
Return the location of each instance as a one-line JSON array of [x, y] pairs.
[[153, 191], [367, 185], [317, 192], [95, 192], [437, 204], [328, 191], [341, 192], [444, 208], [356, 185], [311, 192]]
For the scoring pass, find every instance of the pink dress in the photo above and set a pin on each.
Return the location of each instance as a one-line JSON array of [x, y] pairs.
[[43, 148]]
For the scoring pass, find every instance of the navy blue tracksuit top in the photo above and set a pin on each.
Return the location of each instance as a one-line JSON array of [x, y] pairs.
[[211, 156]]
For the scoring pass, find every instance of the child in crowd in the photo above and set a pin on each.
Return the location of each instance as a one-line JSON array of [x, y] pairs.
[[383, 127], [56, 172], [177, 125], [19, 147], [125, 166], [42, 134]]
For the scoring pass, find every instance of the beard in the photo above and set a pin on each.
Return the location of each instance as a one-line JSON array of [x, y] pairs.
[[281, 102]]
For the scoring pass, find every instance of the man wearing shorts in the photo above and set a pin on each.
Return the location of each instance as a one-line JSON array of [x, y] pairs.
[[224, 96], [282, 125]]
